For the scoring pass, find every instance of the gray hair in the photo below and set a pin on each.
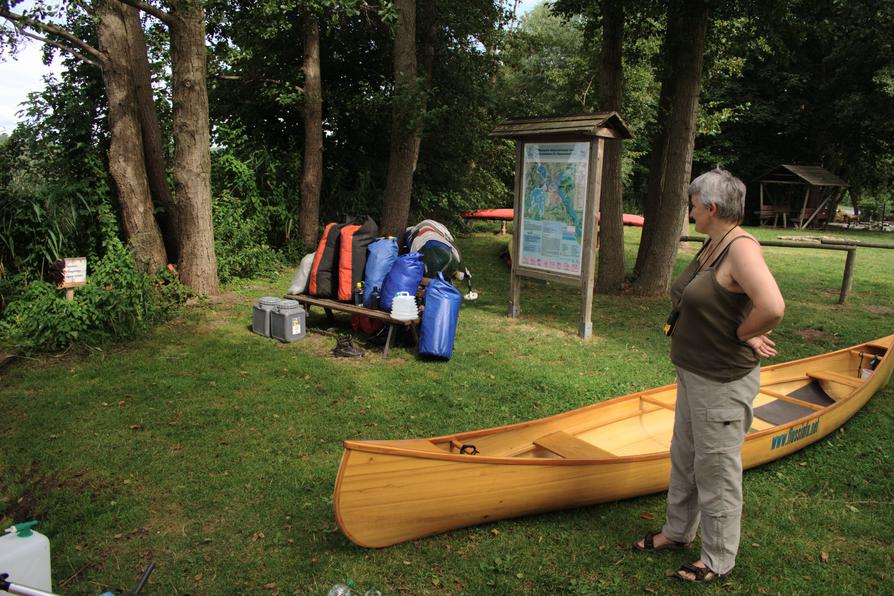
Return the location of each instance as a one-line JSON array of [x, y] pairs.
[[719, 187]]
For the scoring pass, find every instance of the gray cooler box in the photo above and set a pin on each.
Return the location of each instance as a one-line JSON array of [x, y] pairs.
[[260, 318], [287, 321]]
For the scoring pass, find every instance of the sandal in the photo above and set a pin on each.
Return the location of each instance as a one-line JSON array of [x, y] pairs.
[[702, 574], [649, 543]]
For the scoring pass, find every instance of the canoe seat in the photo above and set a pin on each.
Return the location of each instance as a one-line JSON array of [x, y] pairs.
[[825, 375], [570, 447]]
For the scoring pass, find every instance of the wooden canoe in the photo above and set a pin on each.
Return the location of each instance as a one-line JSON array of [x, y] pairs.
[[391, 491]]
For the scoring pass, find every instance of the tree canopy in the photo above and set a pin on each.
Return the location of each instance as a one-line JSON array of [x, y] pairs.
[[787, 81]]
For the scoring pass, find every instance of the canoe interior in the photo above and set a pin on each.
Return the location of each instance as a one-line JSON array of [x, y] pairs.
[[641, 424]]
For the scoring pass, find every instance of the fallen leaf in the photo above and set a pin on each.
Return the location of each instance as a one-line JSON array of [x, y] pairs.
[[495, 531], [854, 509], [135, 427], [270, 586], [824, 557], [647, 515], [198, 577], [407, 563]]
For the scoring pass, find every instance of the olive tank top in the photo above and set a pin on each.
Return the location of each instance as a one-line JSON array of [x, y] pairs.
[[704, 339]]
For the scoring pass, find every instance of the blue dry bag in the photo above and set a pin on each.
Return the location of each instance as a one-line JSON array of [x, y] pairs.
[[382, 254], [405, 276], [442, 302]]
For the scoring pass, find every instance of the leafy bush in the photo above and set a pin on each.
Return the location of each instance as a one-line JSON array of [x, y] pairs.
[[118, 302], [239, 242], [243, 220]]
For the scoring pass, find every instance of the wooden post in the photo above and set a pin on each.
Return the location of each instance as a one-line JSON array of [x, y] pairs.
[[591, 231], [514, 278], [69, 294], [801, 224], [848, 280]]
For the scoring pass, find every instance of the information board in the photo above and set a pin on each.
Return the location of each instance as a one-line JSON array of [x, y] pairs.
[[554, 205], [74, 273]]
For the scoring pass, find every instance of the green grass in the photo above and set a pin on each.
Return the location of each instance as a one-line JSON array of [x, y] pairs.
[[213, 451]]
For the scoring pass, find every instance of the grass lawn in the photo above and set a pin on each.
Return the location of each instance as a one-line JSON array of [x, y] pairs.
[[213, 451]]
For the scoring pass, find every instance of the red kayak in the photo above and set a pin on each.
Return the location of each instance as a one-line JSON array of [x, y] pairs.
[[508, 215]]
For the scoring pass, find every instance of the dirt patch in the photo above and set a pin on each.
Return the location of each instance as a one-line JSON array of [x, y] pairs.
[[878, 309], [813, 336], [29, 501], [226, 298]]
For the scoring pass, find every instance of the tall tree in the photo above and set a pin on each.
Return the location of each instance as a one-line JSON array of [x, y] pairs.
[[126, 159], [153, 143], [610, 276], [672, 147], [406, 123], [312, 175], [192, 142]]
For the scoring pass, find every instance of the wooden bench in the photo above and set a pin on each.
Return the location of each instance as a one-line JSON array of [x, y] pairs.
[[329, 306], [570, 447], [772, 212]]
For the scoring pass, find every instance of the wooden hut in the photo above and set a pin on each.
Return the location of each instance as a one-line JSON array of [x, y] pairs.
[[822, 192]]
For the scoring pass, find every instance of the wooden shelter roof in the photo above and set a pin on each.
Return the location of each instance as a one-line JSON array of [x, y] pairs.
[[812, 175], [598, 124]]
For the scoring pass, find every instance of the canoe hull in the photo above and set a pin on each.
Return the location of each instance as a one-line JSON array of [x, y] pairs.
[[387, 499], [388, 492]]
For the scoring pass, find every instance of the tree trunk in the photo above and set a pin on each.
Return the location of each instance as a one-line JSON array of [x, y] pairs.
[[672, 150], [406, 124], [612, 266], [192, 150], [312, 177], [126, 164], [153, 147]]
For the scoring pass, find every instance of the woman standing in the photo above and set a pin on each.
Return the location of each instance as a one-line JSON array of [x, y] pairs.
[[725, 305]]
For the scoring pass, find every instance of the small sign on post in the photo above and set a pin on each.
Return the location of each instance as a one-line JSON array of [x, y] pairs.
[[558, 181], [74, 274]]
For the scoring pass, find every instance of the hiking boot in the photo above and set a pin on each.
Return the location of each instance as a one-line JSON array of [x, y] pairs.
[[345, 348]]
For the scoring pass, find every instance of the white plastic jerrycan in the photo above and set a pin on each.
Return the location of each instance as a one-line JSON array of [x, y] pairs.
[[25, 556]]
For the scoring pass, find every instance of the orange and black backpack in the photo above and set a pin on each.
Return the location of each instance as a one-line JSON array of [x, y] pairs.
[[323, 281], [353, 244]]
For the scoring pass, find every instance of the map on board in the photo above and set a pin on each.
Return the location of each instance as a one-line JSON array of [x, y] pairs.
[[554, 190]]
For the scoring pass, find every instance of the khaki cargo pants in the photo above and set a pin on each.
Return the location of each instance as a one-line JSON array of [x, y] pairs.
[[710, 423]]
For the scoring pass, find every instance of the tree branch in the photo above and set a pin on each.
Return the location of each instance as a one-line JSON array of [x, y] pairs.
[[161, 15], [235, 77], [20, 21], [64, 48]]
